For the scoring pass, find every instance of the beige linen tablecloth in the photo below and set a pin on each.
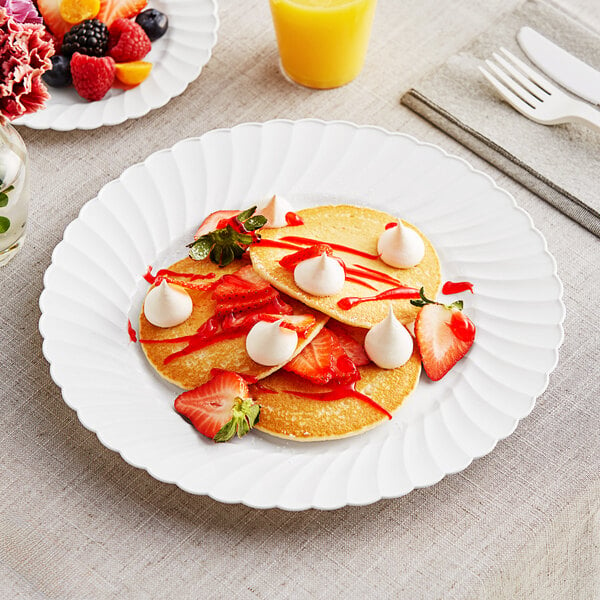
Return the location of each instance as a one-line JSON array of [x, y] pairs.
[[77, 522]]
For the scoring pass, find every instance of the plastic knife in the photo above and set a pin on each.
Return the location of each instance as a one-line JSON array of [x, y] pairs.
[[572, 73]]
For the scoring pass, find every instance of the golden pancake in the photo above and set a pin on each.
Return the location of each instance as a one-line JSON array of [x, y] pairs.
[[191, 370], [358, 228], [286, 415]]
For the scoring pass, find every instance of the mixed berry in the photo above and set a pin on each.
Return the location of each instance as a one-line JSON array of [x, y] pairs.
[[101, 43]]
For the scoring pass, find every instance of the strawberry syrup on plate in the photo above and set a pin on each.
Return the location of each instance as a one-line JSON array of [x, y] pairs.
[[456, 287]]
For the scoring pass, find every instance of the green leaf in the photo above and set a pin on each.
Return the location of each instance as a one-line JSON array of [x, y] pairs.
[[227, 256], [458, 304], [245, 415], [243, 238], [4, 224], [216, 253], [246, 214], [201, 248], [254, 223]]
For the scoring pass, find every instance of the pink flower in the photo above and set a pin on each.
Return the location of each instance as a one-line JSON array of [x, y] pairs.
[[23, 11], [25, 51]]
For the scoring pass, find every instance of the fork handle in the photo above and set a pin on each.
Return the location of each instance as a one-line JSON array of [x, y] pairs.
[[587, 115]]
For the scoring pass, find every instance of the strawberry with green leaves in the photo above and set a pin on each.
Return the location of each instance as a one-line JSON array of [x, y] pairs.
[[220, 408], [444, 335], [223, 237]]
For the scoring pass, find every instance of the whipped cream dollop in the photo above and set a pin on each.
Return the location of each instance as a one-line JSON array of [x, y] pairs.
[[274, 211], [401, 247], [167, 305], [320, 276], [388, 344], [269, 344], [10, 164]]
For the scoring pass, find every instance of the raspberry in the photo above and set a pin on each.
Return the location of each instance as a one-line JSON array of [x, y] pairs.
[[92, 76], [127, 41]]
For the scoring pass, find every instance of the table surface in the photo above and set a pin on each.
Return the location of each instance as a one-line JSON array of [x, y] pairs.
[[77, 522]]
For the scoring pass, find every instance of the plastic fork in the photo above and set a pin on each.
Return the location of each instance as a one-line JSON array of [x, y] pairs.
[[534, 96]]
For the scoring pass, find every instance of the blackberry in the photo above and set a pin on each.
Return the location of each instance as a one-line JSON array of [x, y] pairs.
[[88, 37]]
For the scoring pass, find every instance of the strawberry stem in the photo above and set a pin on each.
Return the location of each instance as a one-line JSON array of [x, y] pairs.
[[458, 304], [245, 415]]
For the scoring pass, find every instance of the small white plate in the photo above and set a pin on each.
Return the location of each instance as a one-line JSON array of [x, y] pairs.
[[94, 285], [178, 58]]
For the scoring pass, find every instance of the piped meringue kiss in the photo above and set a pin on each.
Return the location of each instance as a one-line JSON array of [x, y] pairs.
[[401, 247], [274, 211], [167, 305], [268, 344], [320, 276], [388, 344]]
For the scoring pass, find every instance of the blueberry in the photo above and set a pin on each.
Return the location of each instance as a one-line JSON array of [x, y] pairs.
[[60, 74], [153, 22]]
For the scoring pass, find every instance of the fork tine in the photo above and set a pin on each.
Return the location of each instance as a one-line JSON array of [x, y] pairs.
[[522, 93], [533, 88], [533, 75], [511, 98]]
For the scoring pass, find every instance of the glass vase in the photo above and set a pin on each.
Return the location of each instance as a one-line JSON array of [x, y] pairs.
[[14, 192]]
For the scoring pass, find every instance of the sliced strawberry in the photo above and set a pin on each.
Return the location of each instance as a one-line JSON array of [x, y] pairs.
[[353, 348], [243, 284], [440, 346], [110, 10], [324, 361], [344, 371], [315, 362], [290, 261], [50, 11], [212, 221], [298, 323], [241, 305], [219, 408]]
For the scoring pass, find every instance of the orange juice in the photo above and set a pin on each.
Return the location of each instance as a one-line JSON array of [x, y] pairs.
[[322, 43]]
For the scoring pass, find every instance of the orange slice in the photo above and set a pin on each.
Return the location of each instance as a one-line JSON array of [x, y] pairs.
[[133, 73], [76, 11]]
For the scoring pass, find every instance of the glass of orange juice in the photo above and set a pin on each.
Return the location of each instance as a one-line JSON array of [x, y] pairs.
[[322, 43]]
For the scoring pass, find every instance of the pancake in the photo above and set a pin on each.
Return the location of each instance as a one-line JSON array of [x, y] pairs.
[[305, 419], [359, 228], [191, 370]]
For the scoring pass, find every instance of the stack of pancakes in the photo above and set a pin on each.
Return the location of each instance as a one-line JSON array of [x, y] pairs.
[[282, 413]]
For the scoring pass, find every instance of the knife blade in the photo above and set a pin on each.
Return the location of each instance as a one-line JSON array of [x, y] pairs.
[[564, 68]]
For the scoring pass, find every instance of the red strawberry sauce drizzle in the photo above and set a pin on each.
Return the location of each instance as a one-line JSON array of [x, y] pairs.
[[165, 273], [356, 273], [278, 244], [397, 293], [293, 220], [390, 225], [303, 241], [131, 331], [456, 287], [340, 392], [360, 282], [219, 328]]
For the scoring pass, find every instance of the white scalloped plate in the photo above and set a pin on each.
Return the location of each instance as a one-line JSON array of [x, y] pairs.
[[178, 58], [95, 284]]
